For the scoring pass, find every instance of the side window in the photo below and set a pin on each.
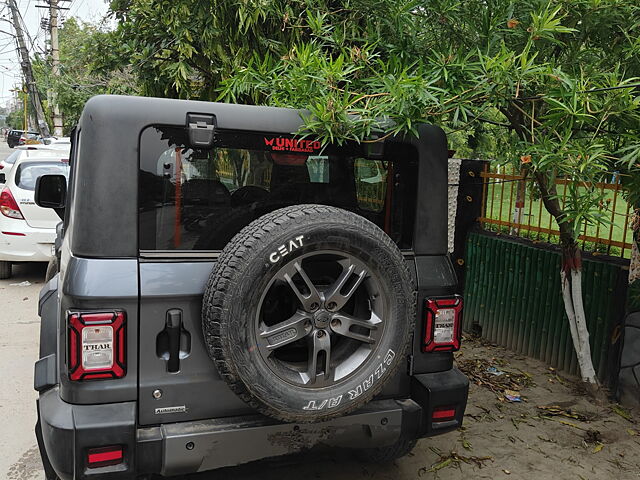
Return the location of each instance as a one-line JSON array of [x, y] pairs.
[[318, 169], [371, 184]]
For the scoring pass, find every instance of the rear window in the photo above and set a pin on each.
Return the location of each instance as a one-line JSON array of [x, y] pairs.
[[198, 199], [28, 173], [11, 159]]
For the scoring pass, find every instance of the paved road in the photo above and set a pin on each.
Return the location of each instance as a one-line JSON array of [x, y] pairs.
[[19, 332], [18, 352]]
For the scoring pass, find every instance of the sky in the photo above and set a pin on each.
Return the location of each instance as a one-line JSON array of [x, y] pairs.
[[10, 72]]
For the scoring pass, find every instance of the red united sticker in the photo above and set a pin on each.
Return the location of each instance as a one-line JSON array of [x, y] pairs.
[[292, 145]]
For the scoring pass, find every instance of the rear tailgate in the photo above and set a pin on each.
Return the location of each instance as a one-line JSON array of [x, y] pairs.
[[172, 292]]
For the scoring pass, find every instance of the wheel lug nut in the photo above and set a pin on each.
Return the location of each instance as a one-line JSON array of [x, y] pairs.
[[335, 322], [320, 333], [332, 305], [314, 306]]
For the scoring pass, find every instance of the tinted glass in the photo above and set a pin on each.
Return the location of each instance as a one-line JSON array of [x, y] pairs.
[[371, 184], [28, 173], [198, 199], [11, 159]]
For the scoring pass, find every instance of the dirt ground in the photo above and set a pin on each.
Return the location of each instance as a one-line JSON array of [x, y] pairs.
[[584, 440]]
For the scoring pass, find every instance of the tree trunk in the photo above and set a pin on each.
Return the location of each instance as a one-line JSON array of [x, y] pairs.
[[571, 280], [518, 211], [571, 276]]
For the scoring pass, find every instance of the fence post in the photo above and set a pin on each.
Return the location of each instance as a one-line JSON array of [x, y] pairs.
[[628, 390], [470, 208]]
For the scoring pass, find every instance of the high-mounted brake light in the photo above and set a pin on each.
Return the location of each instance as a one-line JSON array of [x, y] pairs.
[[443, 324], [97, 345], [8, 205]]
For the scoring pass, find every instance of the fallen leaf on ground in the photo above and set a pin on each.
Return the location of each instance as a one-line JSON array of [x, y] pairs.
[[454, 459], [555, 410], [622, 412], [598, 447], [632, 432], [476, 370], [564, 422]]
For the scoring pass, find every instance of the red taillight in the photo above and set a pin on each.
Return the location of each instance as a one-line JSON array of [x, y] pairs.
[[96, 345], [104, 456], [8, 205], [443, 414], [443, 325]]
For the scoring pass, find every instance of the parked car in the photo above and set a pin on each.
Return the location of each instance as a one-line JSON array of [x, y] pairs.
[[57, 141], [31, 151], [13, 137], [27, 231], [226, 292], [30, 139]]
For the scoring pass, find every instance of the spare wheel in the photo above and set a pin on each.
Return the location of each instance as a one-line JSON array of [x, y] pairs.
[[308, 312]]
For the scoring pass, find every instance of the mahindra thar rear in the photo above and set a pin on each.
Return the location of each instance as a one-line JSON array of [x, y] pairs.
[[228, 291]]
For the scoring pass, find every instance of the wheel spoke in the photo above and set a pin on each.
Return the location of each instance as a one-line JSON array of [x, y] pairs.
[[319, 343], [341, 324], [313, 297], [284, 333], [334, 294]]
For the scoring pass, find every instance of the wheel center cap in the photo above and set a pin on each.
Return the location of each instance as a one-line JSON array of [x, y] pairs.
[[321, 318]]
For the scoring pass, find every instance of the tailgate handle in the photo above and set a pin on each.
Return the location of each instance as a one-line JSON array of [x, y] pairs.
[[174, 342], [174, 325]]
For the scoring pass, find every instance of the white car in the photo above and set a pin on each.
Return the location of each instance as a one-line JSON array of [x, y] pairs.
[[57, 141], [27, 231], [32, 151]]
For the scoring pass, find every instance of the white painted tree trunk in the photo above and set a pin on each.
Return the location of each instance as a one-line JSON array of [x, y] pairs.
[[518, 211], [574, 307], [584, 354]]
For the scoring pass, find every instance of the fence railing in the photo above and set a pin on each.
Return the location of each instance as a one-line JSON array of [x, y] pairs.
[[513, 206]]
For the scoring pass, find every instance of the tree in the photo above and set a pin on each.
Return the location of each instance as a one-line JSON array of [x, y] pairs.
[[85, 50], [552, 83]]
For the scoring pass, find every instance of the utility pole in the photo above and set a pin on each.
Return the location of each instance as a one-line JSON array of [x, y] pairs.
[[25, 105], [55, 64], [27, 70]]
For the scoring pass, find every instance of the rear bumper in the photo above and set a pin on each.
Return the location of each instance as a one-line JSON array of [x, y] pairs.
[[31, 245], [188, 447]]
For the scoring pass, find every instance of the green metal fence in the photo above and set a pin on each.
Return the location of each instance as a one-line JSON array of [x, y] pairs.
[[512, 291]]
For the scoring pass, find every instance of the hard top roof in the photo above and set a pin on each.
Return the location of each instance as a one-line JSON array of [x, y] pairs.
[[104, 110]]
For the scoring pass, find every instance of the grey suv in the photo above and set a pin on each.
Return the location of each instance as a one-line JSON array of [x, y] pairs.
[[228, 291]]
